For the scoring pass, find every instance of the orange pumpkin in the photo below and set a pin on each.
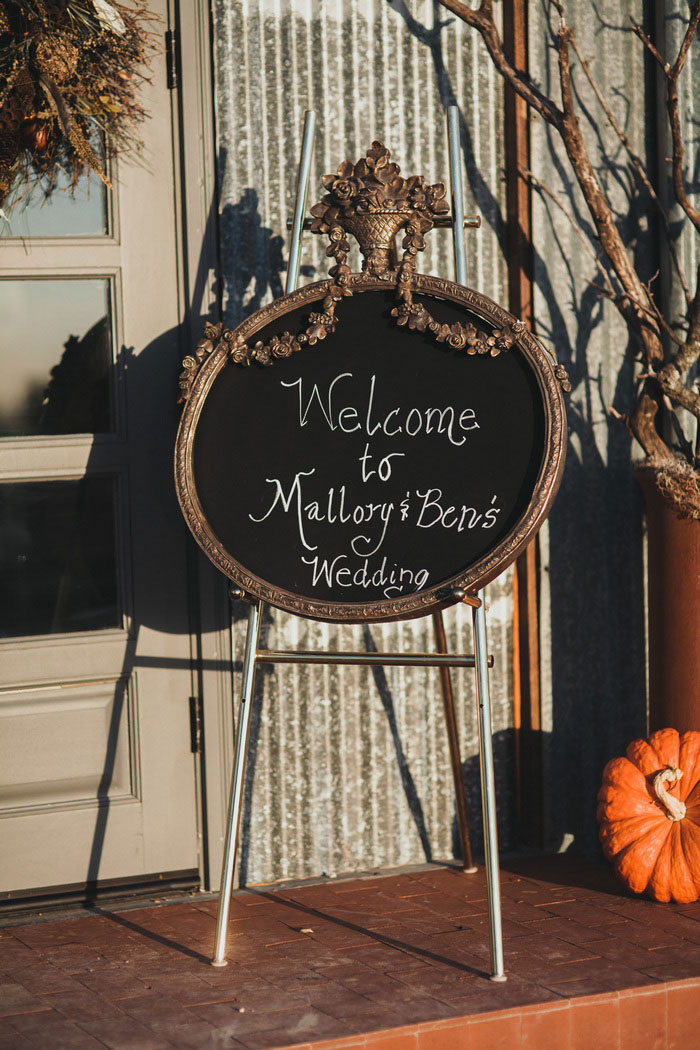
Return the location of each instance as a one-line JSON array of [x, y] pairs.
[[649, 816]]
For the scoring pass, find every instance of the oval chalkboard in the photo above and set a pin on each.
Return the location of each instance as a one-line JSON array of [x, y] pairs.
[[367, 476]]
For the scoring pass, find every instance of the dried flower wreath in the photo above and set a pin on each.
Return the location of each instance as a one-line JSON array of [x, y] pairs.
[[69, 69]]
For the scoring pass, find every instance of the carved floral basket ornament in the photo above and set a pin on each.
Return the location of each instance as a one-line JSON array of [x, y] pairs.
[[373, 445], [649, 816]]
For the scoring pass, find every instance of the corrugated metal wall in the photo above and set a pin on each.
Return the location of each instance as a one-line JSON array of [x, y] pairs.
[[349, 767], [593, 611]]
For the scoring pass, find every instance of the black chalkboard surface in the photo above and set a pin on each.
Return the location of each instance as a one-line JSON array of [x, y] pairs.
[[368, 475]]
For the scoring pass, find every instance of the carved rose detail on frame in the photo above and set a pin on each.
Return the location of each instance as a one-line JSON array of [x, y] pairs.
[[192, 363], [563, 378], [283, 345]]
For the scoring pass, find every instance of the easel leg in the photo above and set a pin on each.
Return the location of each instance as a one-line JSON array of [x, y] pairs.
[[237, 781], [488, 793], [256, 611], [448, 701]]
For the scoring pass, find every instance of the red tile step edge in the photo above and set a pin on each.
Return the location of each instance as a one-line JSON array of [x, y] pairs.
[[652, 1017]]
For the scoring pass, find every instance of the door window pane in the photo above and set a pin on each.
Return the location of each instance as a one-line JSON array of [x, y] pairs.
[[55, 357], [58, 564], [80, 211]]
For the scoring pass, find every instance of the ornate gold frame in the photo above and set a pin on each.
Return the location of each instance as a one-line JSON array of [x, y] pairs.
[[210, 360]]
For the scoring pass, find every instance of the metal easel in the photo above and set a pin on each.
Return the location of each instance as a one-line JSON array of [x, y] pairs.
[[253, 655]]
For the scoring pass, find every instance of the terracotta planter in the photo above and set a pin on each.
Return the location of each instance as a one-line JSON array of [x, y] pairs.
[[674, 614]]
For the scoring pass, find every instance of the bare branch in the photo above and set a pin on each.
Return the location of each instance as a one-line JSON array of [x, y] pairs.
[[659, 317], [665, 382], [667, 327], [653, 49], [543, 188], [671, 382], [687, 39], [482, 19], [672, 73], [599, 207], [694, 314], [673, 107], [638, 166], [622, 302], [672, 377], [566, 123], [642, 426]]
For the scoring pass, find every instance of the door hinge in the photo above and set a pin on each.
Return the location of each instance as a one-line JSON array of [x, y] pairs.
[[171, 63], [196, 725]]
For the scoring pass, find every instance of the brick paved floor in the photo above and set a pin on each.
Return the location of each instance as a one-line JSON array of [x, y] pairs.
[[391, 962]]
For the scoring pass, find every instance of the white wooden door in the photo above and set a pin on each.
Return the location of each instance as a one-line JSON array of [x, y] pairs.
[[97, 775]]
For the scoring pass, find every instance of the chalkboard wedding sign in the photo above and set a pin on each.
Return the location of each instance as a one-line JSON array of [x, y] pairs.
[[361, 448]]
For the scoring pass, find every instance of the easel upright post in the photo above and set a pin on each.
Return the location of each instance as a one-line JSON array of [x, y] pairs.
[[457, 193], [488, 787], [257, 609], [307, 148]]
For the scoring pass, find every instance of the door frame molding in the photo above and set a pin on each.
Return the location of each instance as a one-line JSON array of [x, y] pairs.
[[196, 209]]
